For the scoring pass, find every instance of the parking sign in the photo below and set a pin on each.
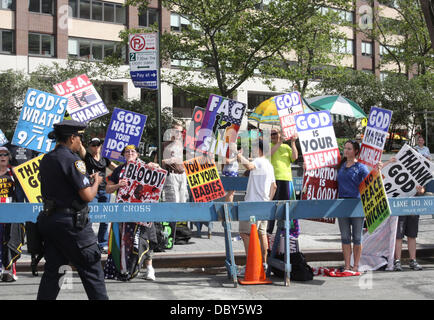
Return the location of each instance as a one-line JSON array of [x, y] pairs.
[[143, 58]]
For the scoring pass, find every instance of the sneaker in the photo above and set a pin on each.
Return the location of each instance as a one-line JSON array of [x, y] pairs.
[[414, 265], [149, 274], [397, 265], [265, 266], [9, 277]]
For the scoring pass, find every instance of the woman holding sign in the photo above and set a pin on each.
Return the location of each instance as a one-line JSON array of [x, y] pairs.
[[350, 174], [125, 256]]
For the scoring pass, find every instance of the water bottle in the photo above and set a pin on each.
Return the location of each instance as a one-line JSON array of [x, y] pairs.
[[252, 220]]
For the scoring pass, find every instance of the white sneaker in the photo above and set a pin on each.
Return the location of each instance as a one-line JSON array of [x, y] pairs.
[[8, 277], [149, 274]]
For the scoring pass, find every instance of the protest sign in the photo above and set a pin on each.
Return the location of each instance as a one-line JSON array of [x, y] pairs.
[[317, 140], [41, 110], [84, 102], [220, 125], [320, 184], [410, 170], [27, 174], [143, 58], [3, 139], [288, 105], [375, 136], [126, 128], [203, 179], [144, 183], [374, 200], [193, 128]]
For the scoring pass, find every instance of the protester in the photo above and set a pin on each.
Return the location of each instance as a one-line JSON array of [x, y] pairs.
[[125, 258], [282, 155], [96, 163], [20, 155], [423, 150], [350, 174], [408, 226], [175, 187], [261, 186], [230, 169], [11, 234]]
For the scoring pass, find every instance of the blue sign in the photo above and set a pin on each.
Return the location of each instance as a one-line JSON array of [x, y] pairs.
[[41, 110], [3, 139], [314, 120], [379, 119], [145, 79], [126, 128]]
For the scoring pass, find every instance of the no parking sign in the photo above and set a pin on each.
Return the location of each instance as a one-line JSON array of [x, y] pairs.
[[143, 58]]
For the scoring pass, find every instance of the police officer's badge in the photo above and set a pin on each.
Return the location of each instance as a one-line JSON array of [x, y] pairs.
[[81, 166]]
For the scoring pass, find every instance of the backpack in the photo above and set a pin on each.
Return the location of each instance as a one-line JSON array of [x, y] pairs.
[[300, 270], [162, 238]]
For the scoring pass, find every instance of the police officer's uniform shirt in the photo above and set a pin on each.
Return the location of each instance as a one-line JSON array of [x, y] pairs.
[[63, 174]]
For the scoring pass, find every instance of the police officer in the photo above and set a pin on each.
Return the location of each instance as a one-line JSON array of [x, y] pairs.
[[68, 236]]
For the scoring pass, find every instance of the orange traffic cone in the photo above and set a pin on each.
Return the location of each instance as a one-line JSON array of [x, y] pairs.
[[255, 273]]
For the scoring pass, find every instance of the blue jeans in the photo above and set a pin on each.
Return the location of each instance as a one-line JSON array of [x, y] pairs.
[[102, 196], [351, 226]]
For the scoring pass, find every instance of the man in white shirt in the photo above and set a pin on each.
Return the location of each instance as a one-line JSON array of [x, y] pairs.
[[423, 150], [260, 187]]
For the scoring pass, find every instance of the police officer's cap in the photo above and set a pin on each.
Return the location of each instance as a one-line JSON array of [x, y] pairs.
[[67, 128]]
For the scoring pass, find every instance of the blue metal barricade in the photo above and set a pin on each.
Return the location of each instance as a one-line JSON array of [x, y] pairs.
[[283, 211]]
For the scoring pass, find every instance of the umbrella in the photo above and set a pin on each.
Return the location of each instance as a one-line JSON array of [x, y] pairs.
[[337, 104], [395, 136], [266, 111]]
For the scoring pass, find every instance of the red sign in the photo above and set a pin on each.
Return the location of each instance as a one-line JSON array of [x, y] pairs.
[[144, 183], [320, 184], [137, 43]]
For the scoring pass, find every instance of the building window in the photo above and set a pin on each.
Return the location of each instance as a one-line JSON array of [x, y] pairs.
[[6, 41], [120, 14], [344, 16], [41, 6], [148, 18], [95, 50], [41, 44], [98, 11], [366, 48], [345, 46], [7, 4]]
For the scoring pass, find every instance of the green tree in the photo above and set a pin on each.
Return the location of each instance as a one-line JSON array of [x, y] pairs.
[[316, 44], [227, 40], [404, 39], [14, 86]]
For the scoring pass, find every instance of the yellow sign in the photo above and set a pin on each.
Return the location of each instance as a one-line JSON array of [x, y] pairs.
[[28, 176]]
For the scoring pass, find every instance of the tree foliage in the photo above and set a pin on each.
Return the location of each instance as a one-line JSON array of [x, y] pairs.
[[14, 86], [227, 40]]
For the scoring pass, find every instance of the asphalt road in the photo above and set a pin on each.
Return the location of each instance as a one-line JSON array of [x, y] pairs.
[[213, 284]]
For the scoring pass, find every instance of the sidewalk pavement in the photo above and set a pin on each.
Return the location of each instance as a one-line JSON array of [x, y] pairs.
[[318, 242]]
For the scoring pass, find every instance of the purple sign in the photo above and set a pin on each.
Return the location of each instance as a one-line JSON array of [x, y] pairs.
[[220, 124], [126, 128]]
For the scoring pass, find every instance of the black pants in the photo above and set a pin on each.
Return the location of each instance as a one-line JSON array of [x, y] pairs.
[[64, 244]]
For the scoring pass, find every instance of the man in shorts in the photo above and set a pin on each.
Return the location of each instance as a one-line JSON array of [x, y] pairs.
[[261, 186], [408, 226]]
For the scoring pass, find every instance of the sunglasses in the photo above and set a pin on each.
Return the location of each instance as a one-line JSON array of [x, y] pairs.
[[4, 154], [274, 133], [95, 145]]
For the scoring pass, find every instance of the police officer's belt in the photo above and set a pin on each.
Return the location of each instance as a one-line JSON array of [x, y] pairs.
[[70, 211]]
